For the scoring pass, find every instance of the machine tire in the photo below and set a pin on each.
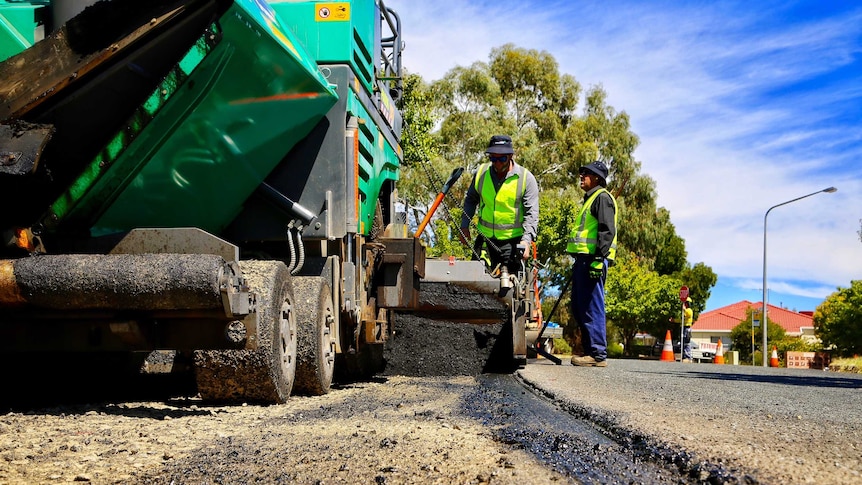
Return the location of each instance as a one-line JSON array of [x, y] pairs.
[[315, 363], [265, 374]]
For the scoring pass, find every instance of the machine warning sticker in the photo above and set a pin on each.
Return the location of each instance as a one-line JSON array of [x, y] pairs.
[[332, 12]]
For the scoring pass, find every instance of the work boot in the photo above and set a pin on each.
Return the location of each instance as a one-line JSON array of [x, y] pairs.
[[587, 361]]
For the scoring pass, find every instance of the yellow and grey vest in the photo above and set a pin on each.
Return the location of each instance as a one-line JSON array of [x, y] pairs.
[[501, 213], [584, 236]]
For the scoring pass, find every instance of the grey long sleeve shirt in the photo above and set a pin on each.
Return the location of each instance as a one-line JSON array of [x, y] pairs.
[[530, 202]]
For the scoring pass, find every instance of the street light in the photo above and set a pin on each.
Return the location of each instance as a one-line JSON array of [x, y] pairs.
[[763, 311]]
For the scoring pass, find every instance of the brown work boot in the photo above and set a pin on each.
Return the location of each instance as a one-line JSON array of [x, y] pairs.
[[587, 361]]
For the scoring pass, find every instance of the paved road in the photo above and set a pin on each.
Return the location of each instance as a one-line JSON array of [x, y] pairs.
[[767, 425]]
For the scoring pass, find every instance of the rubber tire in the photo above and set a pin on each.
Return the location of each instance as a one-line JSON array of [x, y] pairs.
[[267, 373], [315, 363]]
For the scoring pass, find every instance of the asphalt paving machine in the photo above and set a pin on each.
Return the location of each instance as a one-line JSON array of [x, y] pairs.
[[209, 186]]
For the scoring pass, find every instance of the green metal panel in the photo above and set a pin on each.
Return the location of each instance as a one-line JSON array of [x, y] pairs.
[[18, 25], [209, 134], [344, 35], [378, 163]]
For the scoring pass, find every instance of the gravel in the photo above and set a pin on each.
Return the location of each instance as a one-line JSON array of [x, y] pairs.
[[633, 422], [398, 430]]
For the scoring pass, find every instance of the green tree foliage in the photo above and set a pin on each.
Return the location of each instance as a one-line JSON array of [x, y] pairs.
[[557, 127], [424, 171], [638, 299], [797, 344], [699, 279], [671, 255], [741, 337], [838, 320], [555, 220], [416, 139]]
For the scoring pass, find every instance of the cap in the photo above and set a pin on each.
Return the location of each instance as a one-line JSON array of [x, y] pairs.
[[597, 168], [500, 145]]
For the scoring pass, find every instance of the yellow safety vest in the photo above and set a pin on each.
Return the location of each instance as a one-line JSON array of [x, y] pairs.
[[501, 213], [689, 316], [585, 235]]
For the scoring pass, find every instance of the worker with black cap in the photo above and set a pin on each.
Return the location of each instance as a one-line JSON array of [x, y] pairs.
[[507, 196], [593, 243]]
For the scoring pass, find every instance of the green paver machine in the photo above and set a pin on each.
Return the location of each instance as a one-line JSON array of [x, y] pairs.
[[205, 179]]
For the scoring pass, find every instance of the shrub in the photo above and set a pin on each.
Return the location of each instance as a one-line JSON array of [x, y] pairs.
[[562, 347]]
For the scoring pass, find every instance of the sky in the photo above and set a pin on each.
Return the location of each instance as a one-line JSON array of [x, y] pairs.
[[739, 107]]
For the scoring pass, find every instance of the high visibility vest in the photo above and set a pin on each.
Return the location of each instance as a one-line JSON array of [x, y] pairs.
[[584, 236], [501, 213], [688, 317]]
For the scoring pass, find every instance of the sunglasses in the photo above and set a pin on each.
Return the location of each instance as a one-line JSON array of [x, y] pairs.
[[498, 158]]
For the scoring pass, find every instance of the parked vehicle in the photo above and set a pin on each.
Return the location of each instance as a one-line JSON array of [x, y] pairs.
[[698, 354]]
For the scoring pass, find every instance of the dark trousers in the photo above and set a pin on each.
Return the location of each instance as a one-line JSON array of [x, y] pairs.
[[686, 343], [501, 251], [588, 307]]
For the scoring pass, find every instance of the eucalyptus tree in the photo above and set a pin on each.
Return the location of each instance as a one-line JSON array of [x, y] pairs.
[[522, 93], [419, 181]]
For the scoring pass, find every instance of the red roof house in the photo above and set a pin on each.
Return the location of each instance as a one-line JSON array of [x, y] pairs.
[[715, 324]]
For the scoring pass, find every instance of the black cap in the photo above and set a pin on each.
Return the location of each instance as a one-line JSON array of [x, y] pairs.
[[597, 168], [500, 145]]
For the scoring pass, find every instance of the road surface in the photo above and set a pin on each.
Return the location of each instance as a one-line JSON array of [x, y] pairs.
[[773, 425]]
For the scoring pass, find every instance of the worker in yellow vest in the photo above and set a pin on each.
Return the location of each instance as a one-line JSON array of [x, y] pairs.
[[593, 243], [688, 319], [507, 197]]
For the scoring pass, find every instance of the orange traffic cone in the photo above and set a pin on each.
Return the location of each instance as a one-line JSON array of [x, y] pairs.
[[773, 360], [667, 350], [719, 354]]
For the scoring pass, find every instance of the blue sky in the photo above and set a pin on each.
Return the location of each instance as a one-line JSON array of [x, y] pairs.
[[739, 106]]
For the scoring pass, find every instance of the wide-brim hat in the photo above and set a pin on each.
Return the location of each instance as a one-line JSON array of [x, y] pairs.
[[596, 168], [500, 145]]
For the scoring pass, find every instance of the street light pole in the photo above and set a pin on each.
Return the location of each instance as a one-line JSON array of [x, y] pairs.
[[828, 190]]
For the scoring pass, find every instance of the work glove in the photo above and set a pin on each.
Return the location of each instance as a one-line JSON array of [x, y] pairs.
[[596, 267]]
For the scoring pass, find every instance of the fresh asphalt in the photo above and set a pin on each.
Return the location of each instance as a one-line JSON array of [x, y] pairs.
[[799, 419]]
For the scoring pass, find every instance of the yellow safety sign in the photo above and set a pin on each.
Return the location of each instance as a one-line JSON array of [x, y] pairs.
[[332, 12]]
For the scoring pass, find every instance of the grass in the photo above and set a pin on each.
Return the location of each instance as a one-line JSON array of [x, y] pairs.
[[846, 364]]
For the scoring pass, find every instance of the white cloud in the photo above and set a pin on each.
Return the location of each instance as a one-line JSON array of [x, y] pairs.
[[735, 113]]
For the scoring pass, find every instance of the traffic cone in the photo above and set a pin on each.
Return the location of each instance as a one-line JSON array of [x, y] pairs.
[[719, 354], [667, 350], [773, 360]]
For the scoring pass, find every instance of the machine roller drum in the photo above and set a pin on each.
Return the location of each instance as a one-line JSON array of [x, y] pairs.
[[107, 282], [267, 373], [316, 348]]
